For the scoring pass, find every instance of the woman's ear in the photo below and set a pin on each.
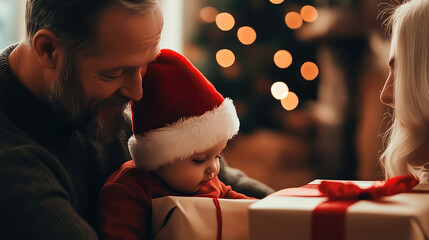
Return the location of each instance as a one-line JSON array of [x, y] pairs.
[[47, 48]]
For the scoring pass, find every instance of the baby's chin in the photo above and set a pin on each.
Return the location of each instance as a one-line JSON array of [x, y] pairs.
[[196, 188]]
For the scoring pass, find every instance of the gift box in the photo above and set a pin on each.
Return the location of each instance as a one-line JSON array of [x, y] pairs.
[[306, 213], [184, 218]]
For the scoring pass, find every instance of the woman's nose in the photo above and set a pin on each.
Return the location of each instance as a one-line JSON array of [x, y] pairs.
[[387, 96]]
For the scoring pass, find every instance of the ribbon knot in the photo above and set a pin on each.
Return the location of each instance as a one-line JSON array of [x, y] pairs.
[[350, 191]]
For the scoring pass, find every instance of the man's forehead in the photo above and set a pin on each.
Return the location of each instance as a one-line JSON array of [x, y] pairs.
[[119, 29]]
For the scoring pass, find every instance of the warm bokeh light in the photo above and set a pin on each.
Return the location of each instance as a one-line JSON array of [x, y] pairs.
[[225, 58], [276, 1], [290, 102], [225, 21], [208, 14], [293, 20], [246, 35], [309, 13], [279, 90], [309, 71], [282, 59]]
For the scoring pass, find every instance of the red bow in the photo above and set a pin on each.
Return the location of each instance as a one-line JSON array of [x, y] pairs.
[[350, 191]]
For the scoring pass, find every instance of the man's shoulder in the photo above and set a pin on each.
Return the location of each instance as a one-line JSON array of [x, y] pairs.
[[21, 157], [16, 143], [10, 134]]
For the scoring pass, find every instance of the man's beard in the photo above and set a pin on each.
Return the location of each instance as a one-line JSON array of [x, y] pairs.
[[66, 97]]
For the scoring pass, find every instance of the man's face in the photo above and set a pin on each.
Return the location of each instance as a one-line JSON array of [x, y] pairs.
[[95, 89]]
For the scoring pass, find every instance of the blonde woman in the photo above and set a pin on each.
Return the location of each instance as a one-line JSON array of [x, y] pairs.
[[407, 91]]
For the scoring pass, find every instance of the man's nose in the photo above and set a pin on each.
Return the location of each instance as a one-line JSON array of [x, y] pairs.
[[132, 86]]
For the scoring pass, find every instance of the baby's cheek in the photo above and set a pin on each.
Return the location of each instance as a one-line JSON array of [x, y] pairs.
[[193, 180]]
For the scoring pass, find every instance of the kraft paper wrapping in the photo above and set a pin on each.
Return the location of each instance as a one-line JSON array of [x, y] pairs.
[[195, 218], [399, 217]]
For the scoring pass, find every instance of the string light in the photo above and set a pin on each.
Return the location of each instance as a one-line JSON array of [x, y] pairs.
[[208, 14], [290, 102], [293, 20], [309, 13], [246, 35], [225, 58], [309, 71], [225, 21], [279, 90], [282, 59]]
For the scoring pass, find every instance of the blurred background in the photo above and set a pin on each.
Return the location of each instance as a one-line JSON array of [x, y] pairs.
[[305, 77]]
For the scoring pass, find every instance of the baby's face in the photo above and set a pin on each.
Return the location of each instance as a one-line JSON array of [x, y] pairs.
[[190, 174]]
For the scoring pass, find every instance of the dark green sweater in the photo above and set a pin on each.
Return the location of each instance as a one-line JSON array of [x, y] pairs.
[[50, 174]]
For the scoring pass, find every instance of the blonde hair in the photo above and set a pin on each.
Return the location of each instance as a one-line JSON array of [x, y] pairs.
[[410, 49]]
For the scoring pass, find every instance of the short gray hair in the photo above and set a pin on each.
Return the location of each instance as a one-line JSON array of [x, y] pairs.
[[74, 21]]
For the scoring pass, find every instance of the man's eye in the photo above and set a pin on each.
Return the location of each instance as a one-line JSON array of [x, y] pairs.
[[113, 75], [198, 161]]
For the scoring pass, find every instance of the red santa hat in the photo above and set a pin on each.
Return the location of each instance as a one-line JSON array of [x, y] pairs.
[[181, 113]]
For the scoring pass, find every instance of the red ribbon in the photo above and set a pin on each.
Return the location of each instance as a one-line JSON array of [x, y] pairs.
[[218, 217], [350, 191], [328, 218]]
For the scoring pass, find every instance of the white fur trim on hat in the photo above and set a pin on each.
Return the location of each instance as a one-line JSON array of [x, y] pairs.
[[185, 137]]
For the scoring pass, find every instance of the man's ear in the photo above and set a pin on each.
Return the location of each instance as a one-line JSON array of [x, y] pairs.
[[47, 48]]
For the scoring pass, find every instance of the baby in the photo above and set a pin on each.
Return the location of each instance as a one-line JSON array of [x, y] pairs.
[[175, 151]]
